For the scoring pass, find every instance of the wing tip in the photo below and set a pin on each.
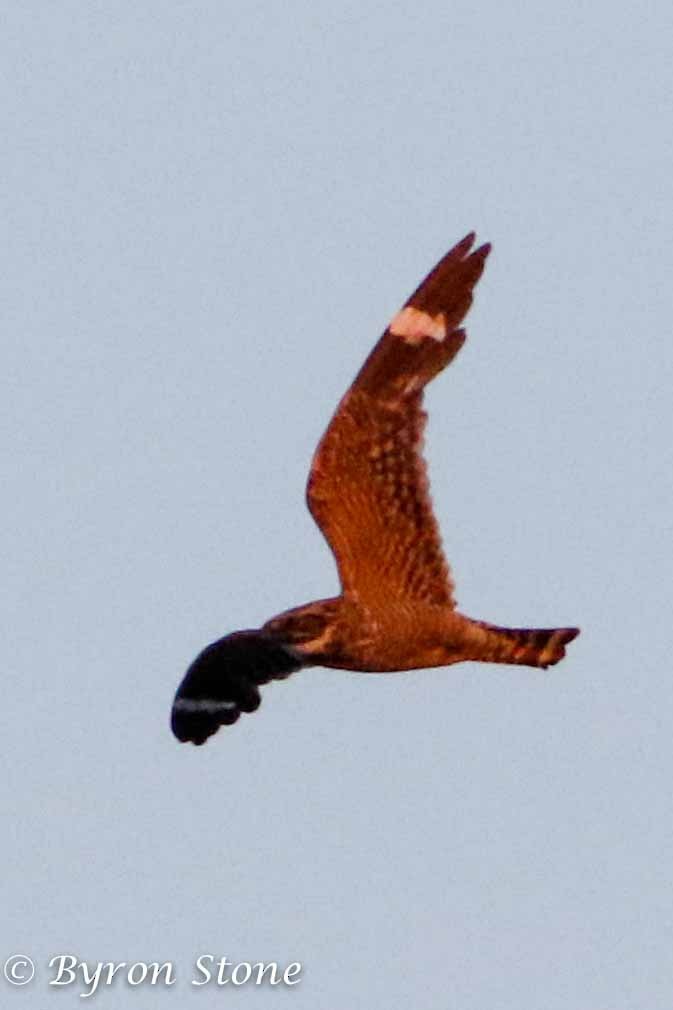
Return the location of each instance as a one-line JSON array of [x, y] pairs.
[[223, 682], [449, 286], [465, 246]]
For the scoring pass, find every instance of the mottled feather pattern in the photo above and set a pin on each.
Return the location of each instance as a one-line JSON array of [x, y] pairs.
[[377, 514], [368, 492], [368, 487]]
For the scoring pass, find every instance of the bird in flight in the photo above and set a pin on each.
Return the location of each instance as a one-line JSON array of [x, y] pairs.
[[368, 492]]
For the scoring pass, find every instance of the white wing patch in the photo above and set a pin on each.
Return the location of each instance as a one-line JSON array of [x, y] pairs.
[[208, 705], [413, 325]]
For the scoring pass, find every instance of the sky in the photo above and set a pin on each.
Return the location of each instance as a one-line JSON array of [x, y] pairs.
[[210, 211]]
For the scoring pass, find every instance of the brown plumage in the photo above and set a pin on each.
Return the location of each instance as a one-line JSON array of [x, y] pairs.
[[368, 493]]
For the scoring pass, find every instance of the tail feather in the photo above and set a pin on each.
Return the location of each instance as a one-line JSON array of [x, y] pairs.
[[223, 681], [540, 647]]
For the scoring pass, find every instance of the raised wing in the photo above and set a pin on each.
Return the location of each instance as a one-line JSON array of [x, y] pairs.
[[368, 486]]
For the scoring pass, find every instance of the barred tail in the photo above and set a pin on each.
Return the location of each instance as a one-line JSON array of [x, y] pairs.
[[541, 647], [223, 681]]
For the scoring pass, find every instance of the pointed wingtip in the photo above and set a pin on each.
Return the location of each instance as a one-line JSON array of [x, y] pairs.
[[465, 244], [449, 285], [462, 248]]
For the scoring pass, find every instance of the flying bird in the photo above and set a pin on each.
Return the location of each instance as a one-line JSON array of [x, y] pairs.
[[368, 492]]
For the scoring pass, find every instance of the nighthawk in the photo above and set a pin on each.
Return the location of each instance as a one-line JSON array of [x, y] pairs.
[[368, 492]]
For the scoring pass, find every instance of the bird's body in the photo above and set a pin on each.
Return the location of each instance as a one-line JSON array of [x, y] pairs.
[[368, 492], [345, 634], [349, 635]]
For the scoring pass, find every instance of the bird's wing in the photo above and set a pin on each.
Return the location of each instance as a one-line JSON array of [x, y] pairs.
[[368, 486], [223, 681]]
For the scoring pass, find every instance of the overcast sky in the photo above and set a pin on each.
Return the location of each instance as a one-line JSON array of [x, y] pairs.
[[210, 211]]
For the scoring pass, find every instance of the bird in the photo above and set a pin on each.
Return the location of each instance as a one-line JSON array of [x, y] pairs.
[[368, 492]]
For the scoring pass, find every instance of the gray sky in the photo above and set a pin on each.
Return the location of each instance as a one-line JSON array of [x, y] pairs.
[[209, 214]]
